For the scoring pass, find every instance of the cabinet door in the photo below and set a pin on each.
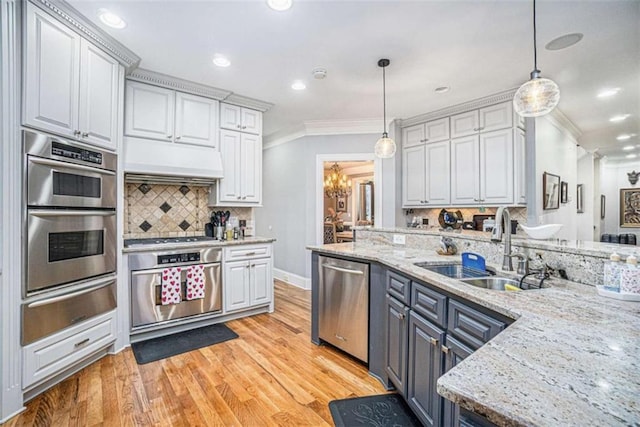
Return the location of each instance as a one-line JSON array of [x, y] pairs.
[[465, 124], [196, 120], [236, 285], [230, 117], [436, 130], [465, 163], [149, 111], [51, 74], [426, 365], [519, 164], [455, 352], [250, 173], [496, 117], [251, 121], [414, 172], [496, 167], [261, 281], [397, 344], [438, 174], [413, 135], [229, 186], [99, 92]]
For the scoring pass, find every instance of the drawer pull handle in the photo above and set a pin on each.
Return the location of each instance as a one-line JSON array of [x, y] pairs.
[[341, 338], [445, 349], [250, 253], [401, 316], [434, 341], [81, 343]]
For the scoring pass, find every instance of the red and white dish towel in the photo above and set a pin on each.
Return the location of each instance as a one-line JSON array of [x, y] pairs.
[[171, 286], [195, 282]]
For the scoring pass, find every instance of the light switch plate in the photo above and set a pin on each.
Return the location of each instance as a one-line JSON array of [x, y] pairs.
[[398, 239]]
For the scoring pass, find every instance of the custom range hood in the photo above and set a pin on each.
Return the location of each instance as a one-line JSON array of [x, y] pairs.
[[152, 161]]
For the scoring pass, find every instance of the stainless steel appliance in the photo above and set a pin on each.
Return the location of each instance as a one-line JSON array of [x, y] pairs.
[[146, 270], [344, 305], [71, 217]]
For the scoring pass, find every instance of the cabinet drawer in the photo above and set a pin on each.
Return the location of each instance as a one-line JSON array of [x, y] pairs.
[[247, 252], [429, 304], [471, 325], [398, 286], [55, 353]]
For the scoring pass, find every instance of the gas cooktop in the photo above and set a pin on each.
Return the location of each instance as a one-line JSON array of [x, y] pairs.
[[170, 241]]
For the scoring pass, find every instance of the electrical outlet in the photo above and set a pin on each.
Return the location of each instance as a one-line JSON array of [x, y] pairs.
[[285, 278], [398, 239]]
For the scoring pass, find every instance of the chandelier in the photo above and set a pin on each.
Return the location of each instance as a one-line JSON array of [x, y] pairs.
[[336, 184]]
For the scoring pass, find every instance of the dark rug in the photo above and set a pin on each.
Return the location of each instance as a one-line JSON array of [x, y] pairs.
[[171, 345], [381, 410]]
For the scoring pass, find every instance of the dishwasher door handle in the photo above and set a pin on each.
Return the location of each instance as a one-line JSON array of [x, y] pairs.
[[343, 270]]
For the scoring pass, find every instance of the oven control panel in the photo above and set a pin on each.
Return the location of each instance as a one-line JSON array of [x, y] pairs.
[[178, 258], [71, 152]]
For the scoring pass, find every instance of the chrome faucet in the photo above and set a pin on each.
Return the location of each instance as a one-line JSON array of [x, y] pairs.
[[496, 236]]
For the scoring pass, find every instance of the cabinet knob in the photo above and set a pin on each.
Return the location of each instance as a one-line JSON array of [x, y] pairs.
[[169, 136], [238, 197], [244, 127], [445, 349], [238, 126], [178, 137], [426, 139], [85, 134], [76, 132], [244, 197], [401, 316], [433, 341]]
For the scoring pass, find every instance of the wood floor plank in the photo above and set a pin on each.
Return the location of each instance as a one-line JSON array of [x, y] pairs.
[[272, 375]]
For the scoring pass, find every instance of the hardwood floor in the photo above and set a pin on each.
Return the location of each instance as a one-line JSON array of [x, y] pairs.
[[271, 375]]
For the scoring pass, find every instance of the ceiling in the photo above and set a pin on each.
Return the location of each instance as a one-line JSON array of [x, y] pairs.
[[476, 47]]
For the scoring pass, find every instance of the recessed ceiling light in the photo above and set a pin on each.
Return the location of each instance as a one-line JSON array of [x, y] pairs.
[[624, 137], [605, 93], [628, 147], [221, 61], [631, 156], [564, 42], [298, 85], [279, 5], [619, 118], [111, 19], [442, 89]]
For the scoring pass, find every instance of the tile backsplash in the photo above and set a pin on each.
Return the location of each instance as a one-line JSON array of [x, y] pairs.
[[160, 210]]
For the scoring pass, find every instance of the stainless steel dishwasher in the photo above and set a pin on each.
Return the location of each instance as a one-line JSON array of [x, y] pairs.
[[344, 305]]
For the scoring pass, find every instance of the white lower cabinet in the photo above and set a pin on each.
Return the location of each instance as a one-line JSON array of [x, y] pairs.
[[248, 277], [51, 355]]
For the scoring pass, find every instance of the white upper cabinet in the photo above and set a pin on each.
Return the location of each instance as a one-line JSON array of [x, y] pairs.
[[429, 132], [241, 119], [242, 162], [71, 87], [164, 114], [465, 164], [487, 119], [426, 175], [496, 167]]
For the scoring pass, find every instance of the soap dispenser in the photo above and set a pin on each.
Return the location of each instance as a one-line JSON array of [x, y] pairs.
[[612, 271], [630, 276]]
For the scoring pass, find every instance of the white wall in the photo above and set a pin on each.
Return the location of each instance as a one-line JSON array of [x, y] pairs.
[[556, 153], [289, 194], [586, 221], [613, 177]]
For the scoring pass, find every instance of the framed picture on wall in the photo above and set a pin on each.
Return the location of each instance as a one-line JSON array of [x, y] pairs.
[[341, 204], [550, 191], [630, 207], [564, 190], [579, 195], [603, 203]]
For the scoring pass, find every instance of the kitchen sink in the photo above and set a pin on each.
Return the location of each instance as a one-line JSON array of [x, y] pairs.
[[495, 283], [455, 271]]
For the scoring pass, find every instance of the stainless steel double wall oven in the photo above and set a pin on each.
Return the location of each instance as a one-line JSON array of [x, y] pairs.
[[70, 200]]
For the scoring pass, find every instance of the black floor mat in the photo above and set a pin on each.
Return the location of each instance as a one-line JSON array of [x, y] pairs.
[[381, 410], [171, 345]]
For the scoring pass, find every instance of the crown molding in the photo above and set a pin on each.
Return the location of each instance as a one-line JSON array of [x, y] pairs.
[[244, 101], [563, 121], [69, 16], [323, 127], [486, 101], [171, 82]]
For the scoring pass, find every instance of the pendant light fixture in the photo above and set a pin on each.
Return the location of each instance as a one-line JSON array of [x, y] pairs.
[[538, 96], [385, 147]]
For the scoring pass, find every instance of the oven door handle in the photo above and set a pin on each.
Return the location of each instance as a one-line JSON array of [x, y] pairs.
[[54, 164], [160, 270], [98, 284], [61, 212]]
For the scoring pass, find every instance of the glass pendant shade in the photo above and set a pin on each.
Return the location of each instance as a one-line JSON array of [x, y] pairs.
[[385, 147], [536, 97]]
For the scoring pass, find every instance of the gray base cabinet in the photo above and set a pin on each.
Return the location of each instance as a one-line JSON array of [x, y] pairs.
[[397, 316], [455, 352]]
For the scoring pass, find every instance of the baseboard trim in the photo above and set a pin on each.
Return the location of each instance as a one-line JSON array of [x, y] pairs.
[[292, 279]]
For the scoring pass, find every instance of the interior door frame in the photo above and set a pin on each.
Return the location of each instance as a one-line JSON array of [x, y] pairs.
[[346, 157]]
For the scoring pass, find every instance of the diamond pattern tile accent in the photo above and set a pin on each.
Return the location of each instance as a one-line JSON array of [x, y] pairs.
[[184, 225], [184, 190], [144, 188], [165, 207], [145, 226]]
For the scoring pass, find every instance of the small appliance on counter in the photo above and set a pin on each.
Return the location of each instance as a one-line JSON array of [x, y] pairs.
[[450, 219]]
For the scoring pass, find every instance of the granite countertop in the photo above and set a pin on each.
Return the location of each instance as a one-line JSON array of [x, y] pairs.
[[570, 358], [205, 243]]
